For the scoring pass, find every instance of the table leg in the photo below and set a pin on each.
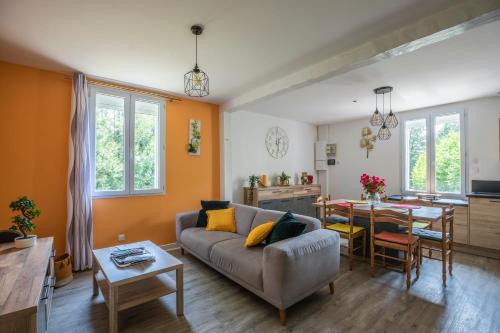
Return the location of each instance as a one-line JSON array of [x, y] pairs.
[[179, 295], [113, 313], [95, 269]]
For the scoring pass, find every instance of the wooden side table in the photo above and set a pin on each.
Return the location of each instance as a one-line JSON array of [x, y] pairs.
[[123, 288]]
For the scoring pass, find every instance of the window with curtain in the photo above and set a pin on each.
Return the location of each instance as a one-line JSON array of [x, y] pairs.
[[127, 143], [434, 154]]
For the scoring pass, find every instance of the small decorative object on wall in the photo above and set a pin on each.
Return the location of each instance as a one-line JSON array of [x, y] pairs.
[[380, 118], [24, 222], [194, 145], [284, 179], [277, 142], [331, 150], [372, 187], [367, 140]]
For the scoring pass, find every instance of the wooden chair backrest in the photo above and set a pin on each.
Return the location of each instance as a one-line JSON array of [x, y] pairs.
[[323, 198], [416, 202], [344, 211], [391, 216], [447, 218]]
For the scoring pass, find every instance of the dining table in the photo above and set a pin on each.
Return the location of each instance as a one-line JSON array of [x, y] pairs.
[[362, 214]]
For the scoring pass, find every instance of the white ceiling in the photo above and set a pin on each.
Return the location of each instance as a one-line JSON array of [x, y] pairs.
[[463, 67], [246, 43]]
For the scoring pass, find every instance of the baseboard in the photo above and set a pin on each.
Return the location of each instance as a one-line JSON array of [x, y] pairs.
[[478, 251], [170, 247]]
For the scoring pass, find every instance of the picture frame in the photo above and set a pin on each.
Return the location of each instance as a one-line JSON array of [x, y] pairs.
[[194, 144]]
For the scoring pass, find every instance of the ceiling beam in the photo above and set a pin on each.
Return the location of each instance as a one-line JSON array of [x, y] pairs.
[[429, 30]]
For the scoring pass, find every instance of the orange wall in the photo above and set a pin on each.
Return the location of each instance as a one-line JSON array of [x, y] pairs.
[[34, 118]]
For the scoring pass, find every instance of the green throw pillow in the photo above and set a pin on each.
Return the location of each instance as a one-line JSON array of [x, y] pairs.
[[286, 227], [209, 205]]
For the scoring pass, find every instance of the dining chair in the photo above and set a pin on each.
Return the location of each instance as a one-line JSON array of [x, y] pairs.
[[419, 202], [408, 243], [348, 230], [441, 241]]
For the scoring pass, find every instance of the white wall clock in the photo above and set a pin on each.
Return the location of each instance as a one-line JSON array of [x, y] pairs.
[[277, 142]]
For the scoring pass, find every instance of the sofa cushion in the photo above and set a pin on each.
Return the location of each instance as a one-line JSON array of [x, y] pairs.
[[244, 263], [264, 215], [221, 220], [201, 241], [209, 205], [286, 227], [244, 217]]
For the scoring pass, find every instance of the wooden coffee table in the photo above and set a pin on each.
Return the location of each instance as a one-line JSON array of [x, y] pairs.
[[123, 288]]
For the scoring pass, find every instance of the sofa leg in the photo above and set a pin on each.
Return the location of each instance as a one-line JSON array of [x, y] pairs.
[[283, 316], [182, 251], [332, 288]]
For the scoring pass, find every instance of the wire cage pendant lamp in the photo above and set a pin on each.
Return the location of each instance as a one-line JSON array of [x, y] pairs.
[[380, 118], [196, 83]]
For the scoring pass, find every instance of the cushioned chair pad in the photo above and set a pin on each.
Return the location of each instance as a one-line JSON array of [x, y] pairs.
[[429, 234], [241, 262], [336, 219], [420, 225], [202, 241], [344, 228], [394, 237]]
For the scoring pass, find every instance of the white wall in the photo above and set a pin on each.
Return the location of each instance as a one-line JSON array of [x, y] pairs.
[[248, 153], [482, 149]]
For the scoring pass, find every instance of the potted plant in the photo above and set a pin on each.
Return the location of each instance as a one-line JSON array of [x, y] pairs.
[[284, 179], [24, 222], [373, 186]]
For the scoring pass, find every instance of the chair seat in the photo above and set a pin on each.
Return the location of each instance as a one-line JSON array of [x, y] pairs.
[[395, 237], [420, 225], [336, 219], [428, 234], [344, 228]]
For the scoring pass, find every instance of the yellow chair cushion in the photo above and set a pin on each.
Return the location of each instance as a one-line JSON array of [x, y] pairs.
[[420, 225], [259, 233], [221, 220], [344, 228]]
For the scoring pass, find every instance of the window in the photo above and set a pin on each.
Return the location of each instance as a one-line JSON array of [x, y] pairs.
[[434, 154], [127, 143]]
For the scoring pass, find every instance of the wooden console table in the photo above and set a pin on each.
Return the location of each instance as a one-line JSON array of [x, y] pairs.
[[27, 282], [297, 198]]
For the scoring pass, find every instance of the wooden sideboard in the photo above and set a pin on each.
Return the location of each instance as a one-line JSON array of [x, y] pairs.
[[27, 282], [296, 198]]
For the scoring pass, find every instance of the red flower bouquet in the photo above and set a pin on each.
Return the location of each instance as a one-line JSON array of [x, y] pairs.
[[372, 185]]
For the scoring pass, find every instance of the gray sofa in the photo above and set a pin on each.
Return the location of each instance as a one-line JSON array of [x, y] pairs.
[[281, 273]]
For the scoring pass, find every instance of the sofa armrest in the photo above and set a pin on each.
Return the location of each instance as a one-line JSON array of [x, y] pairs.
[[295, 268], [183, 221]]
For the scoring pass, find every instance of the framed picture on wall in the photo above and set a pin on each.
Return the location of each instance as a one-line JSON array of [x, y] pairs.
[[194, 144]]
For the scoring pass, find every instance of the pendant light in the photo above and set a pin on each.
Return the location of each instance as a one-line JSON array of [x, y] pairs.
[[376, 119], [196, 80], [380, 118]]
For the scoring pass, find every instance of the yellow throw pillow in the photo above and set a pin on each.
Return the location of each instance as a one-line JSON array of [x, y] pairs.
[[258, 234], [221, 220]]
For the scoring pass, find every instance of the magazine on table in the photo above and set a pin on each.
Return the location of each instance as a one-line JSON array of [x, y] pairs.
[[124, 257]]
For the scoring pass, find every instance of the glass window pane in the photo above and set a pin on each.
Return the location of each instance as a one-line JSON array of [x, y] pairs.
[[109, 143], [448, 165], [146, 152], [416, 155]]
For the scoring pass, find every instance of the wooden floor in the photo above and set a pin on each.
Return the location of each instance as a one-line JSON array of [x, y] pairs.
[[470, 303]]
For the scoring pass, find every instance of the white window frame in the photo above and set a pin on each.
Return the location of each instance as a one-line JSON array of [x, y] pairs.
[[129, 118], [430, 119]]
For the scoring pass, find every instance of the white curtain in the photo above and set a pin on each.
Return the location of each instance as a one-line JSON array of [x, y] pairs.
[[79, 233]]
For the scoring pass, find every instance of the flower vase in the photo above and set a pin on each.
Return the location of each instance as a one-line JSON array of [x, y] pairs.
[[373, 198]]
